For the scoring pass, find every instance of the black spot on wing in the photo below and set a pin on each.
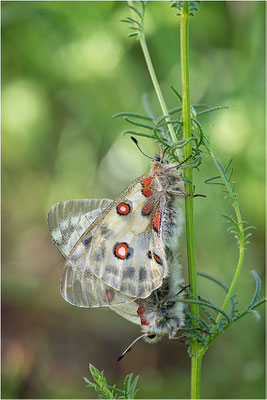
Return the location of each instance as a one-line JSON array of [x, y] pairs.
[[142, 274], [105, 232], [130, 253], [128, 273], [111, 269], [87, 241], [99, 254]]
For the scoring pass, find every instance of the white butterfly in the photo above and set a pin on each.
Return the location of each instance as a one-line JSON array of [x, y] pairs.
[[115, 250], [158, 314]]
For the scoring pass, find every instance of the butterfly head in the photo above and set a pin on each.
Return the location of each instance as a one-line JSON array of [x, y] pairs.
[[161, 166]]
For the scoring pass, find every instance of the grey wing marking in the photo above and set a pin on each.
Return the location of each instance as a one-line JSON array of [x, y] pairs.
[[84, 289], [68, 220]]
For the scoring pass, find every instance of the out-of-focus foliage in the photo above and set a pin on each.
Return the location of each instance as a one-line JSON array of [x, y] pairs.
[[67, 68]]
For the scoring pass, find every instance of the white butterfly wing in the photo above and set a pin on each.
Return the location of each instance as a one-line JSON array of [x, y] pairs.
[[121, 247], [67, 221], [128, 311]]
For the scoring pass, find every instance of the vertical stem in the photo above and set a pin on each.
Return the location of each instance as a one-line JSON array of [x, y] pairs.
[[188, 173], [155, 82], [195, 377]]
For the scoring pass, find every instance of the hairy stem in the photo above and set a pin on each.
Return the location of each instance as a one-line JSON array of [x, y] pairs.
[[188, 173]]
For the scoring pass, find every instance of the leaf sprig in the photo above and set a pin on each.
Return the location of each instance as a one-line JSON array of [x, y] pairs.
[[157, 128], [192, 6], [136, 24], [209, 325], [111, 392]]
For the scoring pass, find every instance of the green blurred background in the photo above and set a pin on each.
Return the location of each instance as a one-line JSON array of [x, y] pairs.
[[67, 68]]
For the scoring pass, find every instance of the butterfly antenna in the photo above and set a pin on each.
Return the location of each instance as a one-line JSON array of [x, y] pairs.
[[178, 165], [181, 163], [137, 144], [163, 153], [131, 345]]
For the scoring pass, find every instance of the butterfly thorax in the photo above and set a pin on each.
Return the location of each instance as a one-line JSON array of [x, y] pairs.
[[166, 174]]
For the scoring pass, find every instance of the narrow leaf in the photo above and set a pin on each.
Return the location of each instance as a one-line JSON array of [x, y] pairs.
[[228, 165], [133, 390], [215, 183], [209, 315], [211, 109], [174, 110], [177, 93], [139, 124], [132, 34], [130, 114], [133, 21], [221, 168], [202, 303], [258, 288], [177, 121], [230, 175], [137, 133], [136, 11], [212, 178]]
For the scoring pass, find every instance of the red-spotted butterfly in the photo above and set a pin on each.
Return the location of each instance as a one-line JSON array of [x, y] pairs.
[[116, 250]]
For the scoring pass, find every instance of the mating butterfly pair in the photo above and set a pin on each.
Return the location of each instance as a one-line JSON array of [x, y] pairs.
[[116, 251]]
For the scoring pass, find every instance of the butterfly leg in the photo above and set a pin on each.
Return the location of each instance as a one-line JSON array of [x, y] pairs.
[[170, 299], [178, 193], [182, 194], [183, 289]]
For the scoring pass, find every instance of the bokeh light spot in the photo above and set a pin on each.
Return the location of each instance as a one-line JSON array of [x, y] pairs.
[[22, 106]]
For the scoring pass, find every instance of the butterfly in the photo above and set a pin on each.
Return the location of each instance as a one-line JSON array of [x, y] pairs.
[[158, 314], [116, 250]]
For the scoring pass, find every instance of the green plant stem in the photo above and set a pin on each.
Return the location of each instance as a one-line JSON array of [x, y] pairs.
[[156, 85], [188, 172], [189, 211], [155, 82], [195, 376]]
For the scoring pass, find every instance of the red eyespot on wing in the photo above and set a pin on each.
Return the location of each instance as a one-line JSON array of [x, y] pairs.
[[109, 295], [147, 207], [147, 181], [147, 192], [156, 221], [123, 209], [122, 251]]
